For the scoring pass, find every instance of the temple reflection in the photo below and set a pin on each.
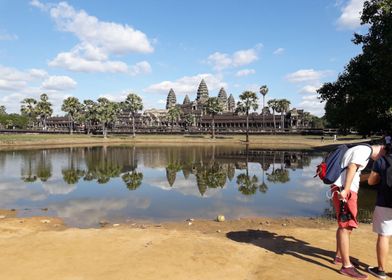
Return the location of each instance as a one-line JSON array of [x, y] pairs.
[[209, 166]]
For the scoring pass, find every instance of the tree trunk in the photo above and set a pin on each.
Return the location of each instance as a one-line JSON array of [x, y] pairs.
[[104, 132], [273, 115], [247, 126], [133, 126], [71, 125]]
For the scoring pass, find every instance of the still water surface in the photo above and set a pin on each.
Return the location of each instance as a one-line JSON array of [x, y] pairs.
[[87, 185]]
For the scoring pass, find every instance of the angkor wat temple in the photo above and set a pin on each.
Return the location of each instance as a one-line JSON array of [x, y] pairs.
[[228, 120], [158, 120]]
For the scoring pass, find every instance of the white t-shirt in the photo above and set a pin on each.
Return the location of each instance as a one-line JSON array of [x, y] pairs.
[[359, 155]]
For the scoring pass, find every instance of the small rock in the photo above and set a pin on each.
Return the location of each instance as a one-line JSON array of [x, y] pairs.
[[2, 217], [116, 225], [218, 231], [189, 220], [45, 221], [284, 225], [190, 223]]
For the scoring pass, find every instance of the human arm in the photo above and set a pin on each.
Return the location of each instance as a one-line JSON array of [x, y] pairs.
[[350, 173], [364, 177], [374, 178]]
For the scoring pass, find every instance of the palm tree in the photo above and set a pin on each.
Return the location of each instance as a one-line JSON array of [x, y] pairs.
[[72, 106], [213, 108], [189, 120], [283, 107], [28, 108], [173, 113], [263, 92], [3, 110], [133, 103], [248, 101], [89, 114], [106, 113], [44, 109], [273, 104]]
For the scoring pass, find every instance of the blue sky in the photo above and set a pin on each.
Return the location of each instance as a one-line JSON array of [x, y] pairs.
[[91, 49]]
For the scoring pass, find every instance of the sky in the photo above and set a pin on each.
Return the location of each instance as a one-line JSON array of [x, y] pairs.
[[90, 49]]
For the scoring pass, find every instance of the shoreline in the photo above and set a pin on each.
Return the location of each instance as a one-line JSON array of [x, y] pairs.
[[15, 141]]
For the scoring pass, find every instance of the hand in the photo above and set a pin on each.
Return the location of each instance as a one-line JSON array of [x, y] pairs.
[[343, 195]]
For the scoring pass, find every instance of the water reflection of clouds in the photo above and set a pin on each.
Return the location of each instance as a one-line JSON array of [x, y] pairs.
[[58, 186], [11, 192], [181, 185], [304, 196], [89, 212]]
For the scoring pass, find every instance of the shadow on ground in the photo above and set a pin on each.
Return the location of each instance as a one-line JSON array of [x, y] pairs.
[[288, 245]]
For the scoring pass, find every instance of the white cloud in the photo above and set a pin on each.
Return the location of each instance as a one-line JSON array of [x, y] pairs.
[[142, 67], [311, 104], [187, 84], [221, 61], [306, 75], [58, 83], [351, 14], [38, 73], [309, 89], [16, 85], [5, 36], [111, 37], [39, 5], [245, 72], [98, 40], [279, 51], [74, 62]]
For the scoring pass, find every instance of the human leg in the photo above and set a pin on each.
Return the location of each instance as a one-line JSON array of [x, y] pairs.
[[382, 249], [343, 245]]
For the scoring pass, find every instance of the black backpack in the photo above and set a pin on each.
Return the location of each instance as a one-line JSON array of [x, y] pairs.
[[388, 159]]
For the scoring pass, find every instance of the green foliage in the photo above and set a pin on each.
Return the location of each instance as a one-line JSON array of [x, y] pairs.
[[43, 109], [106, 113], [132, 180], [213, 108], [72, 106], [10, 121], [132, 104], [248, 101], [361, 96]]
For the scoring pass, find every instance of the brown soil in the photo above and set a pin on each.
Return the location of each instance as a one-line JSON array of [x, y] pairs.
[[252, 248]]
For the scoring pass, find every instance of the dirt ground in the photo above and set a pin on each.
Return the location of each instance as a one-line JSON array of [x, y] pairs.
[[251, 248]]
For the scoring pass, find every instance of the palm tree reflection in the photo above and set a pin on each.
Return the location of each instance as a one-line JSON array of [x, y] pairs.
[[132, 179]]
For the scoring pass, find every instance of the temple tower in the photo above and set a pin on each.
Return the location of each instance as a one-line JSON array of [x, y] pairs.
[[171, 99]]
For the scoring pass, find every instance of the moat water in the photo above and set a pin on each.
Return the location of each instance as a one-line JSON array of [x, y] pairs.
[[118, 184]]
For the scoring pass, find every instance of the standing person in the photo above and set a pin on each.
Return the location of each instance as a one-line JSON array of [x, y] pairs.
[[382, 215], [345, 194], [387, 140]]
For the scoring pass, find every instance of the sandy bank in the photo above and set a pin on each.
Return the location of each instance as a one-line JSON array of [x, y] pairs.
[[253, 248]]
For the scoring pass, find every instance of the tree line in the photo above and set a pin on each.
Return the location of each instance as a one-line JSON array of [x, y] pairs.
[[105, 112], [361, 97]]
